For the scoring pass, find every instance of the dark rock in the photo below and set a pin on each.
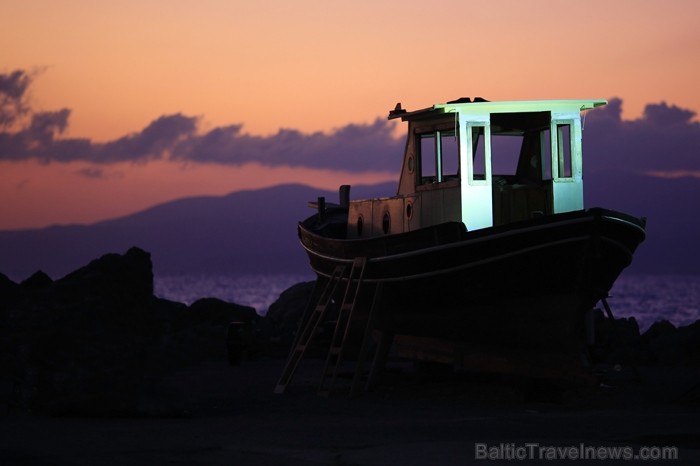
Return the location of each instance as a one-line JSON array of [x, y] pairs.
[[37, 281], [94, 342], [659, 329], [220, 312], [663, 344], [627, 330], [201, 331], [617, 340], [6, 284], [671, 346], [127, 277], [8, 291], [240, 341], [622, 331], [691, 340], [283, 316]]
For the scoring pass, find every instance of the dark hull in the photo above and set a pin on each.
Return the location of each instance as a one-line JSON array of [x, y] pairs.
[[526, 283]]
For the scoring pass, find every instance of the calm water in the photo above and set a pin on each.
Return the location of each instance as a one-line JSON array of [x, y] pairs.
[[256, 290], [646, 297], [649, 298]]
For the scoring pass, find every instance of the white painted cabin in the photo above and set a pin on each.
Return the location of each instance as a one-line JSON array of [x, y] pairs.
[[482, 163]]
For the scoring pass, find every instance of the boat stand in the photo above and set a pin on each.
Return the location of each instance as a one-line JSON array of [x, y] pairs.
[[381, 353], [315, 314]]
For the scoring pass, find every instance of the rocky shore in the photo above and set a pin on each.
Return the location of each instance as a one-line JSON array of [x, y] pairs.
[[95, 341], [95, 369]]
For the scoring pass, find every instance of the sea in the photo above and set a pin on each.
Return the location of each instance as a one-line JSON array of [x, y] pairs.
[[255, 290], [647, 298]]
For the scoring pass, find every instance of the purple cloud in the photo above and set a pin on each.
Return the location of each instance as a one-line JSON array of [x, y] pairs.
[[95, 172], [354, 147], [664, 139], [155, 141], [13, 87]]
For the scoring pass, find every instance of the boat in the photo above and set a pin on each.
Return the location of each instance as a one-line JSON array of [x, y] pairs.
[[486, 244]]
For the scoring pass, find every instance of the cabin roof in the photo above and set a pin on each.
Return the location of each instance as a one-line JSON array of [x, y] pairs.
[[479, 106]]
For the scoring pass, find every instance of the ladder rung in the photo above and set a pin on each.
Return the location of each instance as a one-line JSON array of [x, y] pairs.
[[347, 307], [352, 280]]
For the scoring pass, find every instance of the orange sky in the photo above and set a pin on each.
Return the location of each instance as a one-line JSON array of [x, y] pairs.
[[58, 194], [311, 66]]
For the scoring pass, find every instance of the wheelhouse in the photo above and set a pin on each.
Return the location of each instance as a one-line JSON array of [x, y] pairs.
[[482, 163]]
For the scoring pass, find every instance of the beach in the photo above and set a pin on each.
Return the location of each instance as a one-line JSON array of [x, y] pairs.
[[97, 370], [213, 413]]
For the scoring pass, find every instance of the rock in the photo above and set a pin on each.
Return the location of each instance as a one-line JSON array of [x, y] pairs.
[[617, 341], [671, 346], [94, 342], [6, 284], [220, 312], [283, 316], [657, 329], [663, 344], [8, 291], [691, 340], [127, 277], [205, 327], [37, 281]]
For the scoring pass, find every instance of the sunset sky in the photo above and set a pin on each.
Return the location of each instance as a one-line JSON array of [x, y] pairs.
[[131, 103]]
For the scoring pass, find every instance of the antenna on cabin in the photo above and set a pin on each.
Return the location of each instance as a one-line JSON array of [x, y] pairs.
[[396, 111]]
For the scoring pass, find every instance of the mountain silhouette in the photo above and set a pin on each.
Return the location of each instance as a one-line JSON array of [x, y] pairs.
[[255, 231], [242, 232]]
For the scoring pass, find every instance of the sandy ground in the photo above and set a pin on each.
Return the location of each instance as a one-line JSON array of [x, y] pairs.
[[217, 414]]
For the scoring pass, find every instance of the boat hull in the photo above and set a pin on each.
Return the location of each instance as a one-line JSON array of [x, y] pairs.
[[526, 284]]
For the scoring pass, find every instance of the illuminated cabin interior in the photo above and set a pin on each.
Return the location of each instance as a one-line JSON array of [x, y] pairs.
[[482, 163]]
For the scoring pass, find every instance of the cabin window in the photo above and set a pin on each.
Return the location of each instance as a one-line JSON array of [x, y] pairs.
[[505, 153], [564, 167], [449, 152], [428, 159], [479, 151], [546, 148], [439, 157], [386, 223]]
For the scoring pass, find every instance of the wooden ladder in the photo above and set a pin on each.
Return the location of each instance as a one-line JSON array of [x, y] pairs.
[[342, 327], [308, 328], [386, 339]]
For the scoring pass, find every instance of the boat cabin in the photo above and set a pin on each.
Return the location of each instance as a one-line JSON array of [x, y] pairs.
[[482, 163]]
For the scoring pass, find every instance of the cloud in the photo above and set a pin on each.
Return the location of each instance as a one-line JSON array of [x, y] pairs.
[[13, 87], [154, 142], [97, 172], [664, 140], [354, 147], [91, 172], [39, 139]]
